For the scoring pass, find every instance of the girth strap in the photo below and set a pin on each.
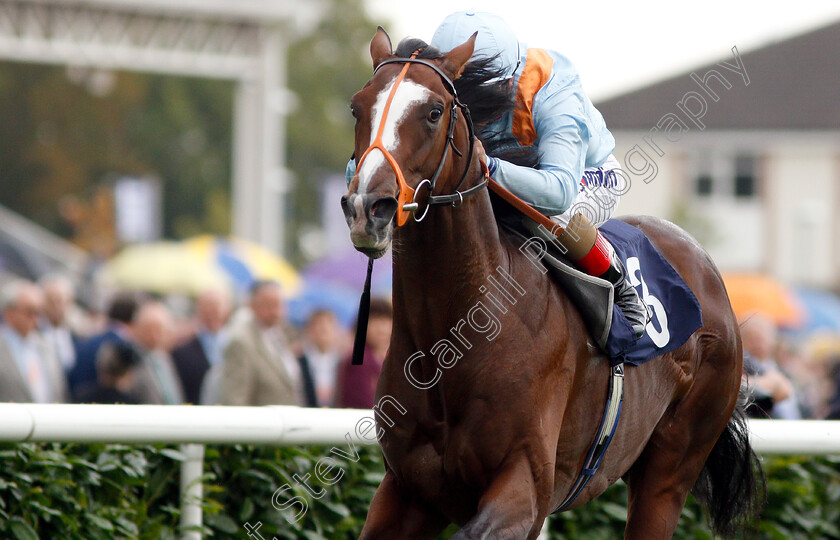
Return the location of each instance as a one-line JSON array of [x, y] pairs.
[[612, 412]]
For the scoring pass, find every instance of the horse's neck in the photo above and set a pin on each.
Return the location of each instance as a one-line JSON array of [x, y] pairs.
[[440, 266]]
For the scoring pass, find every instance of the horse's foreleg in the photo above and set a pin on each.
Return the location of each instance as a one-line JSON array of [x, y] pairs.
[[394, 514], [509, 507]]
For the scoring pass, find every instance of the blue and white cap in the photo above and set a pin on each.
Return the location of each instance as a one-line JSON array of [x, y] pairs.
[[494, 37]]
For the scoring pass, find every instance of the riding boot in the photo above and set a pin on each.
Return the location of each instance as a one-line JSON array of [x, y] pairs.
[[626, 297], [593, 254]]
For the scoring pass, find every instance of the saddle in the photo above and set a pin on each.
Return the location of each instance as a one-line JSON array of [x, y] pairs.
[[592, 296], [676, 313]]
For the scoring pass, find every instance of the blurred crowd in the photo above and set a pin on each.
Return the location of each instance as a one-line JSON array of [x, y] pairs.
[[141, 349], [789, 377]]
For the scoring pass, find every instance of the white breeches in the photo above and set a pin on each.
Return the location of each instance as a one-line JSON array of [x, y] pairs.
[[600, 192]]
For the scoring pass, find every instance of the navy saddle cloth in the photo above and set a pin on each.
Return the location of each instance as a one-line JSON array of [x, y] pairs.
[[676, 313]]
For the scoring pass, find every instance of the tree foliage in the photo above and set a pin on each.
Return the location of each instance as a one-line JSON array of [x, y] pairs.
[[66, 134], [325, 70], [67, 131], [103, 492]]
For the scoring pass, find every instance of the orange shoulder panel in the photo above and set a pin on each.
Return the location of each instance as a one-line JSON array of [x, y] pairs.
[[535, 74]]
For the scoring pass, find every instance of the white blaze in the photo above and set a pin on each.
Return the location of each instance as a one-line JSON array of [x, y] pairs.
[[408, 93]]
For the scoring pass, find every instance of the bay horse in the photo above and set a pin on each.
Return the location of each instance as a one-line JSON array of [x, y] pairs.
[[496, 433]]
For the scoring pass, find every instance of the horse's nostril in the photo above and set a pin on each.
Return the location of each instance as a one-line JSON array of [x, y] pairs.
[[346, 207], [383, 209]]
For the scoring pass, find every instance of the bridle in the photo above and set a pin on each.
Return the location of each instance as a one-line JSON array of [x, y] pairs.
[[407, 196]]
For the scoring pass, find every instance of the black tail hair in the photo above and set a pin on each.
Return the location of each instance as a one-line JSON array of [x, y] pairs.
[[731, 485]]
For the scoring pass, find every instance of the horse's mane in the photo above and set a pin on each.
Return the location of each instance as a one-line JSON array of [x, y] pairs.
[[489, 96]]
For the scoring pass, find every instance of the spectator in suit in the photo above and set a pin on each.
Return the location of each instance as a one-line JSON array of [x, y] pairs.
[[58, 297], [258, 368], [766, 387], [357, 384], [833, 366], [120, 313], [29, 371], [773, 391], [116, 370], [157, 381], [321, 352], [194, 358]]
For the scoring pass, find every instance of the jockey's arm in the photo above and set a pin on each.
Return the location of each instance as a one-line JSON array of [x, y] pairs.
[[562, 142]]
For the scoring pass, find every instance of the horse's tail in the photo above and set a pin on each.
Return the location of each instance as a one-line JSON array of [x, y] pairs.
[[731, 485]]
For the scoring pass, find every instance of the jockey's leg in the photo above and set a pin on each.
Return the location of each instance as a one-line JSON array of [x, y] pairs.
[[589, 250]]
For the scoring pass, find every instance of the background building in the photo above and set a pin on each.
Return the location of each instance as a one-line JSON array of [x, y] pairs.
[[745, 154]]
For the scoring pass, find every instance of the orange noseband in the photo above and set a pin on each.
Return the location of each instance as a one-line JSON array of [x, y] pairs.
[[406, 195], [405, 200]]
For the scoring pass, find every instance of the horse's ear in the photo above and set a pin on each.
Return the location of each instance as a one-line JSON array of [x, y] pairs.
[[380, 47], [455, 60]]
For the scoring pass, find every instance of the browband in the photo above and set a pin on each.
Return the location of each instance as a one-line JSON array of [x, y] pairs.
[[450, 85]]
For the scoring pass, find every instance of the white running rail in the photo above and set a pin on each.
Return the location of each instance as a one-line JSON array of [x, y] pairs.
[[192, 427]]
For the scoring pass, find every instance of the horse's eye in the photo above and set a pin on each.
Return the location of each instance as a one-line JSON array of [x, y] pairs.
[[434, 115], [353, 111]]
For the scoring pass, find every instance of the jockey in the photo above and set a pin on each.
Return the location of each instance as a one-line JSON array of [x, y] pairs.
[[577, 182]]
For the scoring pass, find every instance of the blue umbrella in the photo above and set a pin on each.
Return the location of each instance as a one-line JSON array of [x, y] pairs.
[[342, 301], [822, 309], [348, 268]]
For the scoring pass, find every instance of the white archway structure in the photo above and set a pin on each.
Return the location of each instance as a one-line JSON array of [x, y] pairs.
[[240, 40]]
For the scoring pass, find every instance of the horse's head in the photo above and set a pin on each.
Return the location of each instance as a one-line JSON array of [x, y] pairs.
[[405, 116]]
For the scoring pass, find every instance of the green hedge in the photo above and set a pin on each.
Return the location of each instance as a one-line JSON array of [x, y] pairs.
[[92, 492]]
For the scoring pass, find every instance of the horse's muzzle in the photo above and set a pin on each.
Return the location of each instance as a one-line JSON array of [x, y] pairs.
[[370, 218]]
